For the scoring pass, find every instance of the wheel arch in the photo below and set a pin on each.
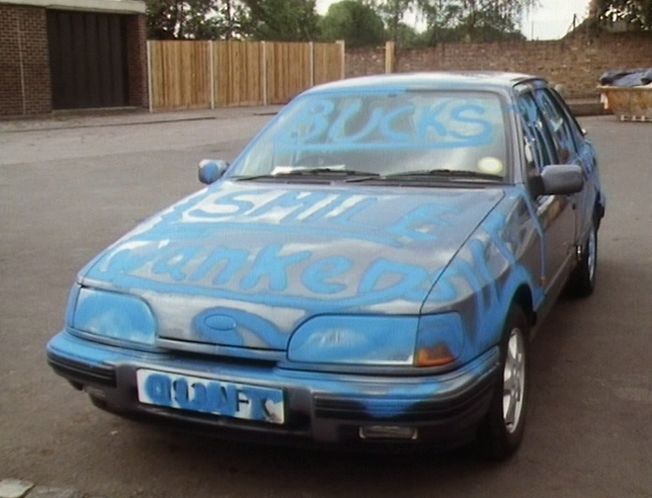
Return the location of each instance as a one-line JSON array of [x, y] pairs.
[[598, 210], [523, 297]]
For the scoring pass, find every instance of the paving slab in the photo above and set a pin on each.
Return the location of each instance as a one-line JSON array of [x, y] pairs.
[[14, 488]]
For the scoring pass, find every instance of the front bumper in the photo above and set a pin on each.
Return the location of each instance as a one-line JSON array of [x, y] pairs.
[[326, 408]]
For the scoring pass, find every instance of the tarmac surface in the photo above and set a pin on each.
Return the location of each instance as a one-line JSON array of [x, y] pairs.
[[71, 186]]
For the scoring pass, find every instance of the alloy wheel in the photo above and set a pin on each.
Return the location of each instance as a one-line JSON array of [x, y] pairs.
[[514, 380]]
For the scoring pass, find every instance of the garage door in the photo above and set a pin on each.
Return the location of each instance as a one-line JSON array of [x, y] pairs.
[[88, 59]]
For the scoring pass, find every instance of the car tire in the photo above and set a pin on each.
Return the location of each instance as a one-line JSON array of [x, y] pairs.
[[582, 280], [501, 431]]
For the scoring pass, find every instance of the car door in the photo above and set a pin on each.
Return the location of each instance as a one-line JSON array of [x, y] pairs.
[[587, 199], [556, 213]]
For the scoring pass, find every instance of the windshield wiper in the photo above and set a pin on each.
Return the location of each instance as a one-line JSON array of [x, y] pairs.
[[311, 172], [327, 169], [454, 173]]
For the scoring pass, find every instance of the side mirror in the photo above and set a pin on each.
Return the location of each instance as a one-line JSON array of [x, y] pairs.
[[559, 179], [211, 170]]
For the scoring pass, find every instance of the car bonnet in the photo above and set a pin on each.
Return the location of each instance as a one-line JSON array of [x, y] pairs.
[[253, 260]]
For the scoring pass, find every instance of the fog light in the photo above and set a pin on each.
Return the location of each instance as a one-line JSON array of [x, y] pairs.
[[388, 432]]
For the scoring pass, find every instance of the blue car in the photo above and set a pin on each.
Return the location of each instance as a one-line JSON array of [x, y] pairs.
[[368, 272]]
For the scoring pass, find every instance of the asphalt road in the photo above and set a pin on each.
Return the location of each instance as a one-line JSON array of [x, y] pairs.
[[67, 193]]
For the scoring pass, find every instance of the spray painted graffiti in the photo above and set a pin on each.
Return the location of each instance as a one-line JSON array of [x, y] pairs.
[[489, 269], [447, 123], [210, 396], [204, 257]]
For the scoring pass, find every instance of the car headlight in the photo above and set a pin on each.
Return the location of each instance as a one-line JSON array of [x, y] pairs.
[[440, 340], [114, 315], [378, 340], [355, 340]]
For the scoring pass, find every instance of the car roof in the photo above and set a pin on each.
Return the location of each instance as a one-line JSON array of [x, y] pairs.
[[436, 80]]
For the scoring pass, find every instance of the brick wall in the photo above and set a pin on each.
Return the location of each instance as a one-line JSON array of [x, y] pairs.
[[137, 60], [24, 61], [363, 61], [575, 61], [25, 86]]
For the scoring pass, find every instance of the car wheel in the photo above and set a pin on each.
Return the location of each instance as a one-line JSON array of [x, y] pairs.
[[502, 429], [582, 280]]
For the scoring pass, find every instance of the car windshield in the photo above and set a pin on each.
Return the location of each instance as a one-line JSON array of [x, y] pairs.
[[386, 134]]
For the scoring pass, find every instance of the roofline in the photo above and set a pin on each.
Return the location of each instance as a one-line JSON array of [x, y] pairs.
[[494, 79], [108, 6]]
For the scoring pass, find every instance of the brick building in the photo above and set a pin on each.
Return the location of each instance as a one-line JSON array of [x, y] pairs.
[[71, 54]]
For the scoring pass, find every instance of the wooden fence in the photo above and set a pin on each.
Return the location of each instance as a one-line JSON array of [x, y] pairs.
[[208, 74]]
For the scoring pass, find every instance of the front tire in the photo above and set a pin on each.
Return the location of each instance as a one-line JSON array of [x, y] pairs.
[[502, 429]]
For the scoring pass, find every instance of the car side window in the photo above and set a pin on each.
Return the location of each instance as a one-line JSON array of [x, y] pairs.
[[559, 126], [539, 142], [576, 129]]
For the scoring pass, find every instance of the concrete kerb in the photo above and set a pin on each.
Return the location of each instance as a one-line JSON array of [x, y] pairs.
[[69, 120]]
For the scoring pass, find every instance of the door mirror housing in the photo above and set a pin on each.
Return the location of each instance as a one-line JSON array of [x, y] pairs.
[[559, 179], [211, 170]]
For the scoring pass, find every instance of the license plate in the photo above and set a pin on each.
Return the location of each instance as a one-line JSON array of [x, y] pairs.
[[217, 397]]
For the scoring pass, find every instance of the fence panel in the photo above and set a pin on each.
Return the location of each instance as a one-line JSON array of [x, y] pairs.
[[195, 74], [328, 63], [180, 74], [288, 70], [238, 73]]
